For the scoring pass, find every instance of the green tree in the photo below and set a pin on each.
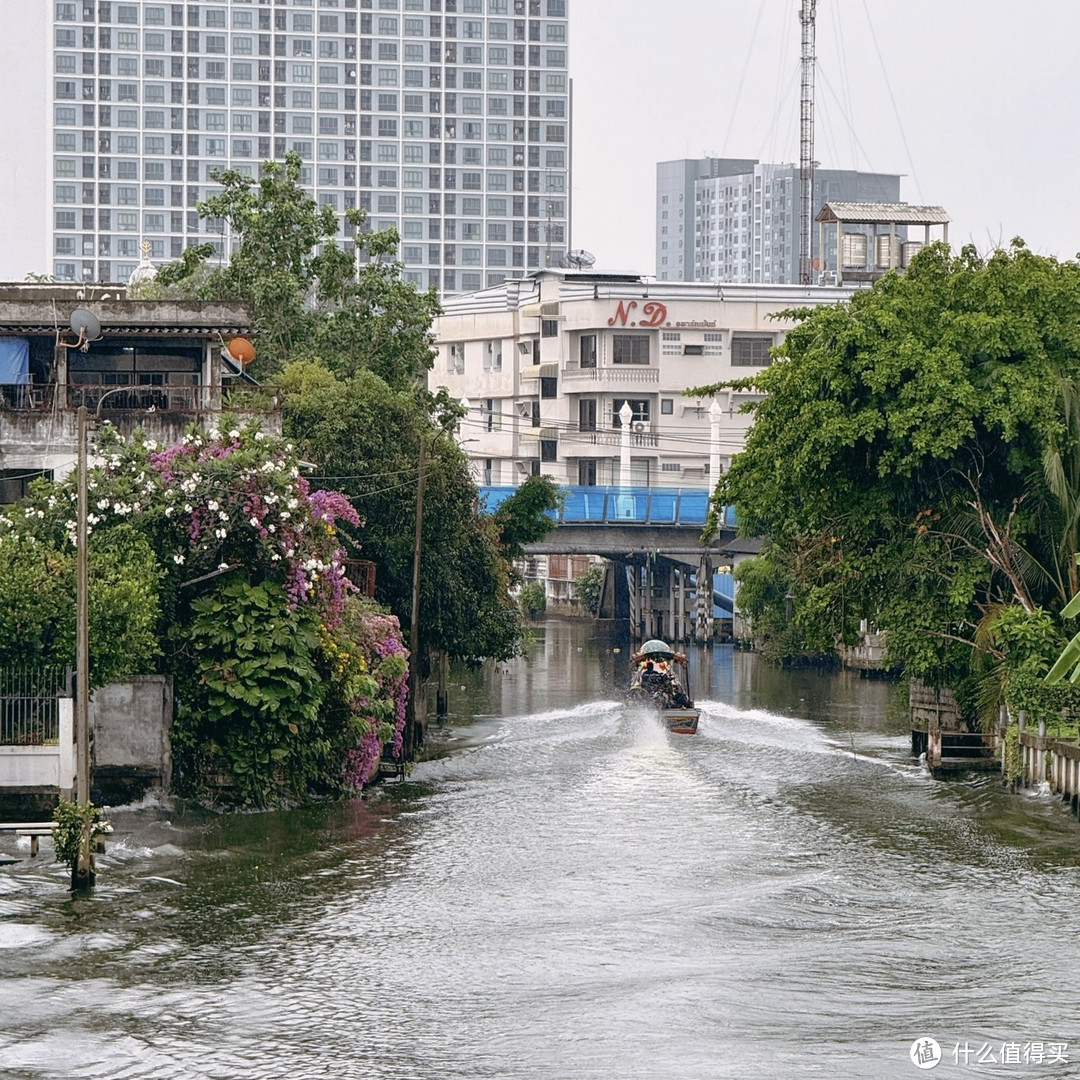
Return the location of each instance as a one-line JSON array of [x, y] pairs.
[[350, 345], [365, 436], [896, 461], [588, 588], [312, 300], [524, 517], [37, 591]]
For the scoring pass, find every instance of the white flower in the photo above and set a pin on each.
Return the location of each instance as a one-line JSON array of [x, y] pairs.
[[178, 559], [259, 436], [103, 504], [285, 515], [187, 508], [271, 528], [169, 511], [234, 434], [223, 516], [220, 534], [213, 504], [223, 566]]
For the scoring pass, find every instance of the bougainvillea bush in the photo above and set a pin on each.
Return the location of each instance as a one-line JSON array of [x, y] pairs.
[[285, 687]]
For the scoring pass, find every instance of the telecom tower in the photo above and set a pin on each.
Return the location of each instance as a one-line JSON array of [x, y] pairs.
[[807, 17]]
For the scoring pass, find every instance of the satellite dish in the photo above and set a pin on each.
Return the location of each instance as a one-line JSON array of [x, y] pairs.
[[578, 259], [85, 324]]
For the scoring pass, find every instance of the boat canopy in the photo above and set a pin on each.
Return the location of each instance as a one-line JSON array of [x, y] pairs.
[[656, 649]]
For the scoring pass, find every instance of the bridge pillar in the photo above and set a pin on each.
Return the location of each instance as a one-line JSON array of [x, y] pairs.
[[615, 597], [684, 581], [703, 615], [673, 627]]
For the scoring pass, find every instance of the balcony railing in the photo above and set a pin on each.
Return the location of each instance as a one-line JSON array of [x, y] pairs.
[[622, 373], [184, 399], [610, 437]]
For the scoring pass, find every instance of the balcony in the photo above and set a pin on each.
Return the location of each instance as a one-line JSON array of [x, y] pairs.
[[639, 440], [612, 373]]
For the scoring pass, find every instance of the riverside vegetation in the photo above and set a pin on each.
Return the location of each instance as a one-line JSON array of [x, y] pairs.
[[915, 461], [219, 562]]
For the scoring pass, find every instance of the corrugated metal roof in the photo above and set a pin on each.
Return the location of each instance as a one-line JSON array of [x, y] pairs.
[[199, 332], [875, 213]]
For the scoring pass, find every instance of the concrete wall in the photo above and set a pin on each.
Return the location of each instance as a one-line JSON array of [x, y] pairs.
[[131, 749]]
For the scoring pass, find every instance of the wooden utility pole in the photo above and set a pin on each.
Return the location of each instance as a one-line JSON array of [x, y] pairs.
[[415, 730], [82, 876]]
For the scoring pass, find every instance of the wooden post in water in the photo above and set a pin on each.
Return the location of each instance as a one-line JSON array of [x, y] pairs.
[[414, 729], [442, 697]]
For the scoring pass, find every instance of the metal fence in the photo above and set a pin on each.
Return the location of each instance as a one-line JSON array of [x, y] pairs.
[[29, 704]]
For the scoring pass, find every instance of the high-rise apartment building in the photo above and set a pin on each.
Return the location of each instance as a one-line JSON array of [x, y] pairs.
[[447, 119], [737, 220]]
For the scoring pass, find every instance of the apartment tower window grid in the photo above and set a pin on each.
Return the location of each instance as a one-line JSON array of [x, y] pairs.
[[446, 119]]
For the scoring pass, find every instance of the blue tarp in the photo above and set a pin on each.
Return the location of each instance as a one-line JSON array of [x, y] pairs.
[[14, 361]]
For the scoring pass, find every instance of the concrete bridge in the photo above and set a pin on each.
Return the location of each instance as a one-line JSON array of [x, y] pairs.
[[652, 538]]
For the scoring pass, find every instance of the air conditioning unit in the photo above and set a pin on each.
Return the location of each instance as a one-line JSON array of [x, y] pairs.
[[638, 427]]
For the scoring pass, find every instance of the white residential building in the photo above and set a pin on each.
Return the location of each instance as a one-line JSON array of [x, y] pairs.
[[447, 119], [545, 365]]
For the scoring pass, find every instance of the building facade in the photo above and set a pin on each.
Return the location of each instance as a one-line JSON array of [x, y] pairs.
[[545, 365], [723, 219], [446, 119]]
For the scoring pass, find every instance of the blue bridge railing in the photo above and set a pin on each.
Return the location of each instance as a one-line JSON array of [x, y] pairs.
[[623, 505]]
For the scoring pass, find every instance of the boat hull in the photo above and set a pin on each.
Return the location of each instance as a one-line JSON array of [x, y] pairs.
[[681, 721]]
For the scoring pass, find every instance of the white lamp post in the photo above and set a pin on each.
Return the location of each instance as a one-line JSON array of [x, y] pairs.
[[715, 415], [626, 414]]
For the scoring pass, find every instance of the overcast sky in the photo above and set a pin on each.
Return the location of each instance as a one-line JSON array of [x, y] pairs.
[[973, 102]]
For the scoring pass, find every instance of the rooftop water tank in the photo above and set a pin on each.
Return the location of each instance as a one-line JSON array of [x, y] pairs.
[[853, 251], [887, 251], [909, 250]]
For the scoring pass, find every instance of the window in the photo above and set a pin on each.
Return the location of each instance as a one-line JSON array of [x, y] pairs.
[[630, 349], [667, 406], [587, 352], [587, 414], [549, 327], [549, 450], [639, 406], [750, 350]]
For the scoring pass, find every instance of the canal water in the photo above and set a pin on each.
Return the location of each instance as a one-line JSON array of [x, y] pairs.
[[567, 891]]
